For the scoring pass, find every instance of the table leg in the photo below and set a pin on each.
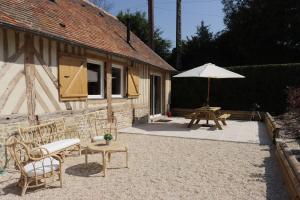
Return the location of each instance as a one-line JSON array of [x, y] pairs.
[[207, 118], [224, 122], [86, 158], [109, 156], [191, 122], [104, 163], [126, 158], [217, 122]]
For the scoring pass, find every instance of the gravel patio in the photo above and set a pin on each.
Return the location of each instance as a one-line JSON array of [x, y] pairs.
[[167, 168]]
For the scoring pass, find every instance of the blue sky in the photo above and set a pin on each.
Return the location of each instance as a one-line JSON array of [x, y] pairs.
[[193, 11]]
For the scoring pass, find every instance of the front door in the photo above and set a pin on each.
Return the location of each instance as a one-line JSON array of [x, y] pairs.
[[155, 95]]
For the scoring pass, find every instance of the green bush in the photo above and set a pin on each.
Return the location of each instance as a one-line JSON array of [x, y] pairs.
[[108, 137], [264, 84]]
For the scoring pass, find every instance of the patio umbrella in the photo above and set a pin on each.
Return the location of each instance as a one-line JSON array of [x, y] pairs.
[[209, 71]]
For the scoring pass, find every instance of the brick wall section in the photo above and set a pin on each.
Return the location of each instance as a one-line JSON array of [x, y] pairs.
[[75, 123]]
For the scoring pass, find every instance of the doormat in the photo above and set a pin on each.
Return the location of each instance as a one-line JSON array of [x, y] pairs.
[[163, 120]]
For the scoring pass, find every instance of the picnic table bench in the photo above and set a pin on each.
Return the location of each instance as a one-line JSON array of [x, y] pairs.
[[208, 113]]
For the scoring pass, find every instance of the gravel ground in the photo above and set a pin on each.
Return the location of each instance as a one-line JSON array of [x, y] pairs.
[[168, 168]]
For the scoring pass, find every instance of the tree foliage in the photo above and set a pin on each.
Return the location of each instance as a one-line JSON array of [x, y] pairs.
[[263, 31], [257, 32], [199, 48], [139, 26]]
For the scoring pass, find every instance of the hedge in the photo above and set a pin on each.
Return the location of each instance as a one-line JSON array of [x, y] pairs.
[[264, 84]]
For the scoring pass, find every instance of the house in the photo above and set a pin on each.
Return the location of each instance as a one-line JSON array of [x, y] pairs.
[[64, 57]]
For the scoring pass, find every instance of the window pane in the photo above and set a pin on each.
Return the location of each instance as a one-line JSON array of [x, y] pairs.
[[94, 79], [116, 81]]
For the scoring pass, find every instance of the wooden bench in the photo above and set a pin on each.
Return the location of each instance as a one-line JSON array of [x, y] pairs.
[[52, 136], [223, 118]]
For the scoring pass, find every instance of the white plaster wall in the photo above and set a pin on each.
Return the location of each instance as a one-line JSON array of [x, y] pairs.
[[19, 89]]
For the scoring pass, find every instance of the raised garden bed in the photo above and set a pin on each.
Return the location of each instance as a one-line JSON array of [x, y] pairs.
[[290, 166], [272, 126]]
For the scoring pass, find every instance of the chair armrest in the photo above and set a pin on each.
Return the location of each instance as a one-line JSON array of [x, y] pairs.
[[31, 144], [38, 153], [44, 155]]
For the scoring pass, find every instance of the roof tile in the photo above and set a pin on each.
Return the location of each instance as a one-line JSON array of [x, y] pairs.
[[83, 25]]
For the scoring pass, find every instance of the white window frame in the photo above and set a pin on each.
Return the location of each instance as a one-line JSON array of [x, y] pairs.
[[122, 81], [101, 63]]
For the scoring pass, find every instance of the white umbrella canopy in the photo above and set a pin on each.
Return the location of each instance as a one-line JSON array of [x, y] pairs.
[[209, 71]]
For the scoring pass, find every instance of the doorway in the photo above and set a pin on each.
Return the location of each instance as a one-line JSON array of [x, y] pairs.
[[155, 95]]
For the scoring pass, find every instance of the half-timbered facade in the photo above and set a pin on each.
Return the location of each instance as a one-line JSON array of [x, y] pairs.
[[64, 57]]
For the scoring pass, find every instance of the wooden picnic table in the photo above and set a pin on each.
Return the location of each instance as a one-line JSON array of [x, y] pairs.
[[207, 113]]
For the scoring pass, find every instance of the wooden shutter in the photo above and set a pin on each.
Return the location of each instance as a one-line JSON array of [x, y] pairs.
[[72, 78], [133, 82]]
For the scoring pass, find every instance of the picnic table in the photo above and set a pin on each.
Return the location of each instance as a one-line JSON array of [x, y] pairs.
[[208, 113]]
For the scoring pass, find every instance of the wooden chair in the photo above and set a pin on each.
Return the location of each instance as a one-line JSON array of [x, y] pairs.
[[99, 127], [37, 168]]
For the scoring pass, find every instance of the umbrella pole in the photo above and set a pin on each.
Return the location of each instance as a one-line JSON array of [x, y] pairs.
[[208, 91], [207, 100]]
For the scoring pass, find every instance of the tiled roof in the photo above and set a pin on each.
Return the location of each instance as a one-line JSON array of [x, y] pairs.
[[84, 23]]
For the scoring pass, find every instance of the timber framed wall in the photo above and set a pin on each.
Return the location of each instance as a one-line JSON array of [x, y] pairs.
[[29, 84]]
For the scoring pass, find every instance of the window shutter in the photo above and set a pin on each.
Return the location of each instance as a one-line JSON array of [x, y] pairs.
[[72, 78], [133, 82]]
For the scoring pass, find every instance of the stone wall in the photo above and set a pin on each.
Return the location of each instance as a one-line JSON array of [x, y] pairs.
[[79, 123], [141, 115], [7, 130]]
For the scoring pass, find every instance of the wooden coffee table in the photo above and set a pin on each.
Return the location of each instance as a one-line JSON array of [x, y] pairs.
[[106, 151]]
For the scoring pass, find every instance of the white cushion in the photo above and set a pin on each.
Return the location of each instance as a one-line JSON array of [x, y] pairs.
[[60, 145], [41, 167], [98, 138]]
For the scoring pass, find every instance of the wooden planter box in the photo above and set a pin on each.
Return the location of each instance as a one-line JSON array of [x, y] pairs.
[[272, 127], [290, 168]]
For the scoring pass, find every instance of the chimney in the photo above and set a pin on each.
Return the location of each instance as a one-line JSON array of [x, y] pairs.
[[128, 30]]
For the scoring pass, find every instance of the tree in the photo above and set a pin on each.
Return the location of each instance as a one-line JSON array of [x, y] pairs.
[[262, 31], [199, 48], [103, 4], [139, 26]]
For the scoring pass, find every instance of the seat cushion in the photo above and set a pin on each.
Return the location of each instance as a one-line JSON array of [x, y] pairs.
[[41, 167], [61, 145], [98, 138]]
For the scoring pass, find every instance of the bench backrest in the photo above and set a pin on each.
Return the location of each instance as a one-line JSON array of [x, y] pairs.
[[44, 133]]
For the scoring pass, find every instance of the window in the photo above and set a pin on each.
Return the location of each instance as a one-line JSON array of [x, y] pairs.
[[95, 79], [117, 80]]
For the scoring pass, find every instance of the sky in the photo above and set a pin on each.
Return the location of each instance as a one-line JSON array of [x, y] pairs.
[[193, 12]]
